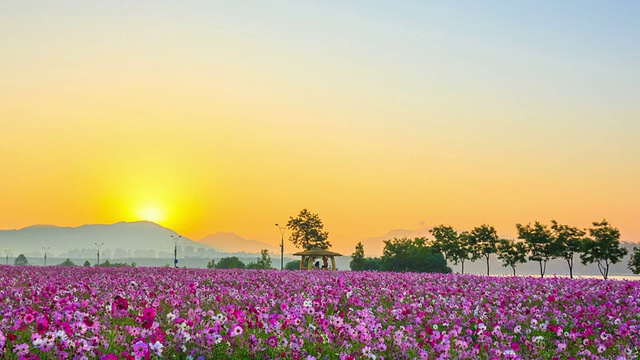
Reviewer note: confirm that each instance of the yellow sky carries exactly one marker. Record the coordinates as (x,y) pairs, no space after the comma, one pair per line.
(232,118)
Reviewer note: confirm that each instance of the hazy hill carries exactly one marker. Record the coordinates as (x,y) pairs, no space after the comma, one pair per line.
(127,238)
(231,243)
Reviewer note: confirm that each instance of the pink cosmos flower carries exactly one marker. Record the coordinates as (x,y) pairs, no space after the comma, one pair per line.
(149,312)
(272,341)
(140,349)
(236,330)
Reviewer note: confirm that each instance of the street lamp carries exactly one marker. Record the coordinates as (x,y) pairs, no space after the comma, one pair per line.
(45,254)
(282,229)
(175,249)
(99,246)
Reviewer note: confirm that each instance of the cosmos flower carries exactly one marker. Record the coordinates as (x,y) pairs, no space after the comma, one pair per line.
(81,313)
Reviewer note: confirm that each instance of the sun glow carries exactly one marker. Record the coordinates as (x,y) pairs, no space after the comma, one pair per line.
(152,213)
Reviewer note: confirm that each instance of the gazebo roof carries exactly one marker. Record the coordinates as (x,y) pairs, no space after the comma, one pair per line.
(317,252)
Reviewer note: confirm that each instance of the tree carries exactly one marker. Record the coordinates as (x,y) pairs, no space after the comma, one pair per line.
(446,239)
(396,254)
(483,241)
(568,242)
(634,262)
(264,262)
(292,265)
(540,243)
(86,263)
(307,231)
(265,259)
(511,253)
(230,263)
(357,258)
(21,260)
(372,264)
(603,247)
(462,251)
(454,246)
(413,256)
(67,262)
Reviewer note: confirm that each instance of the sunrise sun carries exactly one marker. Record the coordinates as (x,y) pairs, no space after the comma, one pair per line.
(151,213)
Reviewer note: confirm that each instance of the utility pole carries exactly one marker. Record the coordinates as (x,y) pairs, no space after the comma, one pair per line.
(45,254)
(175,249)
(282,229)
(7,252)
(99,246)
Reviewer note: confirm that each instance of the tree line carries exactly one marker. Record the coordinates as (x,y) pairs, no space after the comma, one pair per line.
(21,260)
(599,244)
(233,262)
(402,255)
(536,242)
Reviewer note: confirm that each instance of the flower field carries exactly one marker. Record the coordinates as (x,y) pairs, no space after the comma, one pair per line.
(147,313)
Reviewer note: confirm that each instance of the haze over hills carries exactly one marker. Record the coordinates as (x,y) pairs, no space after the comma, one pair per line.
(231,243)
(141,236)
(147,240)
(140,239)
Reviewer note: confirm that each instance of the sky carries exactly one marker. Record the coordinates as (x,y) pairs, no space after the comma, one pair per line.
(233,116)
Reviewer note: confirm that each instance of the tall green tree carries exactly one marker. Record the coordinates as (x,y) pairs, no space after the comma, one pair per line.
(568,242)
(412,255)
(483,241)
(540,243)
(21,260)
(264,262)
(455,247)
(446,240)
(396,255)
(462,251)
(307,231)
(230,263)
(357,258)
(603,247)
(512,253)
(634,262)
(372,264)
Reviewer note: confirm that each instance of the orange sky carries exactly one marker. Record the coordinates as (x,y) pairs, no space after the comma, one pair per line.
(229,117)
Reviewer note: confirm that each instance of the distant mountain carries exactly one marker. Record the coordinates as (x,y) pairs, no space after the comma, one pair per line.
(231,243)
(125,239)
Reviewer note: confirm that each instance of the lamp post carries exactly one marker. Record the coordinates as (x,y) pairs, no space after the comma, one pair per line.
(99,246)
(45,254)
(175,249)
(282,229)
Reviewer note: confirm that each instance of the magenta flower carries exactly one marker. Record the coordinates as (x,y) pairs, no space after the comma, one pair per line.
(272,341)
(140,349)
(28,318)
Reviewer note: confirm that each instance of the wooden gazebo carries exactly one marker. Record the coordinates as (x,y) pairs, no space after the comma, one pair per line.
(323,257)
